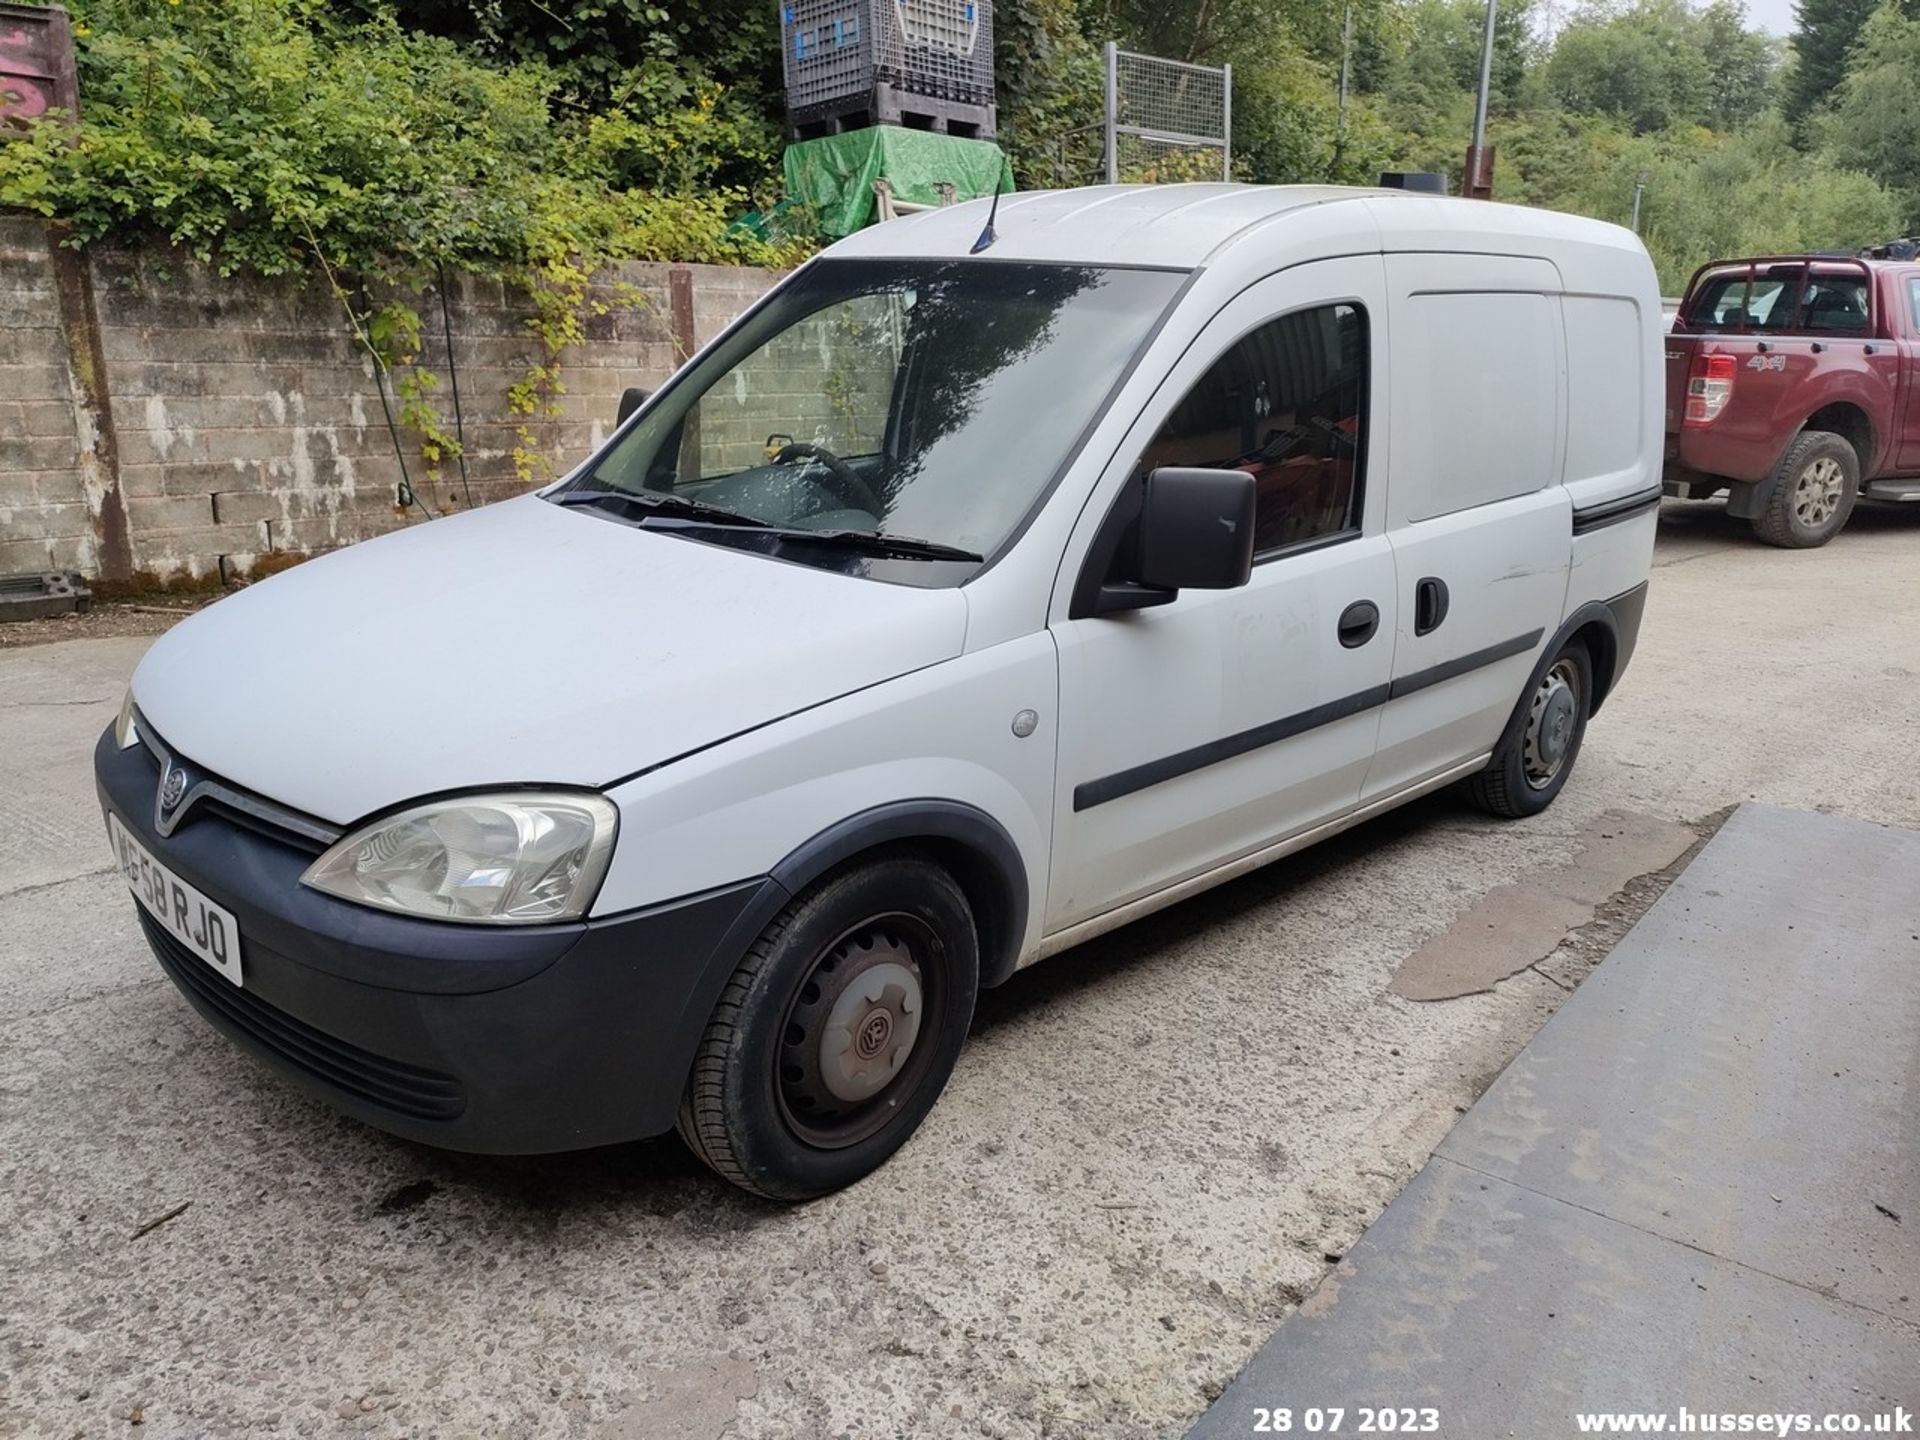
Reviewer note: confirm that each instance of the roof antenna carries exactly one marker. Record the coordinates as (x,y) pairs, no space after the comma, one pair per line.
(987,237)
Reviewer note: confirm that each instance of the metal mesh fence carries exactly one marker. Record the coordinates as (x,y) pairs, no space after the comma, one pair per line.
(1167,120)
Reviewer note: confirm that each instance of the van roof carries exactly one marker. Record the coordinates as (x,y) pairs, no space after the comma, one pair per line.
(1183,226)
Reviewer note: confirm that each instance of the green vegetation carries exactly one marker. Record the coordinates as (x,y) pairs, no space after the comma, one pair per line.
(377,139)
(1747,144)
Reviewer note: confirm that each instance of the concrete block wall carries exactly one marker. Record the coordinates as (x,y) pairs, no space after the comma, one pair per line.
(246,425)
(46,522)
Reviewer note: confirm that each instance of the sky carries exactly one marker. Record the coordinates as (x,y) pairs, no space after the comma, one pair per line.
(1773,16)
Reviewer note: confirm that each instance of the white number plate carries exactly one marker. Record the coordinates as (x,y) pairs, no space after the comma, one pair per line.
(183,912)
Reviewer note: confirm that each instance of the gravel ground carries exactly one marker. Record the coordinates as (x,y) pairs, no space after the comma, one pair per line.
(1148,1153)
(103,621)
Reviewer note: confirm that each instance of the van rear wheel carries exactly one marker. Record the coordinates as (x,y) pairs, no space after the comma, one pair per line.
(1811,492)
(1542,740)
(837,1032)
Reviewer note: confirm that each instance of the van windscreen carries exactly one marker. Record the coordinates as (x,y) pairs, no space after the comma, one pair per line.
(929,400)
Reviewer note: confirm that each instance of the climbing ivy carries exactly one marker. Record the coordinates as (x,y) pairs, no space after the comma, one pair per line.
(294,137)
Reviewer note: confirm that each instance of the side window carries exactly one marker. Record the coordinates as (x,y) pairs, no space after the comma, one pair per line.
(1915,285)
(1286,404)
(1836,303)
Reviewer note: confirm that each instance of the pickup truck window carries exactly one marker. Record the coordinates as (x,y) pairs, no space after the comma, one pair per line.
(1285,404)
(1724,302)
(1836,303)
(1914,290)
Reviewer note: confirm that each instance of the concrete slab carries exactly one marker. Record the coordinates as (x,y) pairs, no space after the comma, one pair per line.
(54,702)
(1514,926)
(1696,1186)
(1508,1312)
(1740,1075)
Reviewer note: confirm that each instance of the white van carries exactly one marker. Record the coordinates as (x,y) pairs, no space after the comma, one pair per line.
(978,591)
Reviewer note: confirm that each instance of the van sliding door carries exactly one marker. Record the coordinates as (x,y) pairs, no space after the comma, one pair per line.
(1479,524)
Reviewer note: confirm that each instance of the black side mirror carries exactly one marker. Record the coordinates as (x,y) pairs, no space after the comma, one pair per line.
(1179,529)
(631,399)
(1196,529)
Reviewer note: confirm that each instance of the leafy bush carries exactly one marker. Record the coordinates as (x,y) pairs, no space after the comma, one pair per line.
(259,136)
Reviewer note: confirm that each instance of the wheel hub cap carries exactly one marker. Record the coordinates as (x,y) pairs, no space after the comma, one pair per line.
(1552,718)
(1817,495)
(870,1031)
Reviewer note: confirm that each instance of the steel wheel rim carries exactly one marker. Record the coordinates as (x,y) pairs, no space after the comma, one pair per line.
(858,1036)
(1553,716)
(1817,495)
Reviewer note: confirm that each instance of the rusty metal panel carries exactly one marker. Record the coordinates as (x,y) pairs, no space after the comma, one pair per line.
(36,64)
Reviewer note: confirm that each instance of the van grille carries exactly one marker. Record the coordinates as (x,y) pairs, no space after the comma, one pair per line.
(266,818)
(389,1084)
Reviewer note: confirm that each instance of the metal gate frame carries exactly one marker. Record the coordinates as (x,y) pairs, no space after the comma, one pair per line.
(1115,129)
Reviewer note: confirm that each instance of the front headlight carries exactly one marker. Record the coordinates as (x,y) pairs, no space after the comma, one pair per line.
(126,730)
(512,859)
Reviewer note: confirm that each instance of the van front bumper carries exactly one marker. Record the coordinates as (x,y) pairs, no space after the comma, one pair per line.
(503,1040)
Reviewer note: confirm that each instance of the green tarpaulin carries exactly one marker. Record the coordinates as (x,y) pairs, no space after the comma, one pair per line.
(834,175)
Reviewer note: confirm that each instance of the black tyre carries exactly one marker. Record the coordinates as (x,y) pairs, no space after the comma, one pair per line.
(1811,491)
(1542,740)
(836,1034)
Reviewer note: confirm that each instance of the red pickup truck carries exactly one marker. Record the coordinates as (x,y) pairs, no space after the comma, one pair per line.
(1793,383)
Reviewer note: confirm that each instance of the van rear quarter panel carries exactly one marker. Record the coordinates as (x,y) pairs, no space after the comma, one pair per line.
(1616,412)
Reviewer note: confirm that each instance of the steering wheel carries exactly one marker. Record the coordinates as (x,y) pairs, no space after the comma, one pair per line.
(851,487)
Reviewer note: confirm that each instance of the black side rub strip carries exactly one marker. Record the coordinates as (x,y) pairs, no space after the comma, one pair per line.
(1612,512)
(1090,793)
(1461,664)
(1125,782)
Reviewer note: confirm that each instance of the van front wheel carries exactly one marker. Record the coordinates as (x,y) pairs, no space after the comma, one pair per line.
(1542,740)
(837,1032)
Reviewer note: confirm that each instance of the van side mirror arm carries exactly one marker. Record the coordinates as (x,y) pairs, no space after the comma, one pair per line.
(1117,596)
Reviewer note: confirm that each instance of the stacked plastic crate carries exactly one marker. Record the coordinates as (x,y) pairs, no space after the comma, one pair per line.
(922,64)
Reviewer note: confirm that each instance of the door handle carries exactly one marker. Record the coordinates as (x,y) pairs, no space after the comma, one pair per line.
(1429,604)
(1358,622)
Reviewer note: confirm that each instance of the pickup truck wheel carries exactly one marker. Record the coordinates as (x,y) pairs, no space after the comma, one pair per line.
(836,1033)
(1811,491)
(1542,740)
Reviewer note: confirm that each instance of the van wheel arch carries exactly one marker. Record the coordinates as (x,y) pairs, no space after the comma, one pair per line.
(1595,625)
(965,841)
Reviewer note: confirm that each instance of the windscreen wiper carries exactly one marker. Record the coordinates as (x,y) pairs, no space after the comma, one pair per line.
(879,542)
(694,514)
(874,542)
(653,503)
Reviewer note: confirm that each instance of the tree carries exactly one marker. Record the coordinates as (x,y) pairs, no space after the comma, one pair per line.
(1827,30)
(1051,94)
(1645,65)
(1742,66)
(1874,125)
